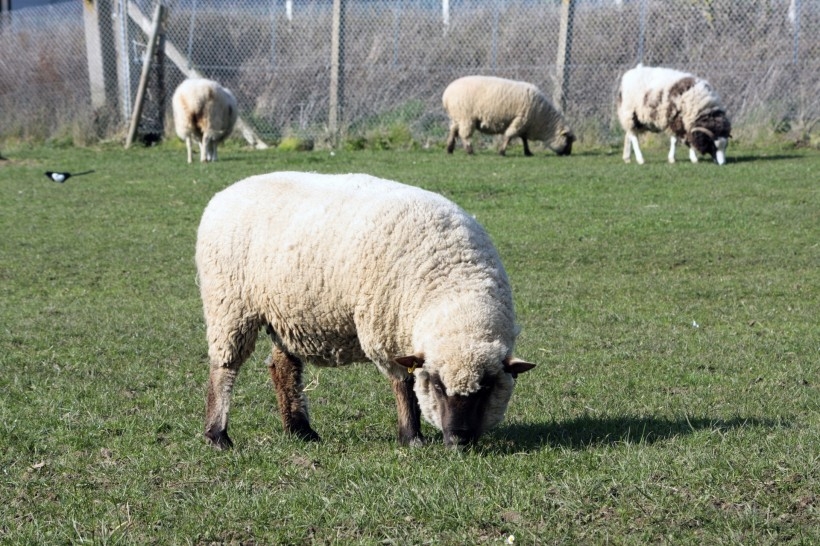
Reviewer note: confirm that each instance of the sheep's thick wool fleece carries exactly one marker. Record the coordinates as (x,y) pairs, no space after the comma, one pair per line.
(494,102)
(348,268)
(202,106)
(646,91)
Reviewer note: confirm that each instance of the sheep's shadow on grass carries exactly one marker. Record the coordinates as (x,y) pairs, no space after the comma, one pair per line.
(588,432)
(755,158)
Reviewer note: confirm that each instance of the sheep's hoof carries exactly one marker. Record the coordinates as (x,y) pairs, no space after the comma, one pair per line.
(219,440)
(306,434)
(412,441)
(416,442)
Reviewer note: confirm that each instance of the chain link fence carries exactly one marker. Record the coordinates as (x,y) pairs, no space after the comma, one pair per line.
(763,56)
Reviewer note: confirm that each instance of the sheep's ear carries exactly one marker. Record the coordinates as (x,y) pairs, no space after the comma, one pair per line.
(514,366)
(411,362)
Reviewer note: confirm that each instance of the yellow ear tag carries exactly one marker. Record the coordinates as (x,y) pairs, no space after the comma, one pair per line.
(412,369)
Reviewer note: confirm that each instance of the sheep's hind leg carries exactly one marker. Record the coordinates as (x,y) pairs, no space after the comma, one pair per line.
(409,412)
(188,146)
(627,149)
(672,141)
(451,137)
(286,374)
(632,138)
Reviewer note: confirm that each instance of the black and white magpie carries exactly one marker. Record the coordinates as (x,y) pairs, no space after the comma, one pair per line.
(61,177)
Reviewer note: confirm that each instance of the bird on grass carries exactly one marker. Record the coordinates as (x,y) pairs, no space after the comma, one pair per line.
(61,177)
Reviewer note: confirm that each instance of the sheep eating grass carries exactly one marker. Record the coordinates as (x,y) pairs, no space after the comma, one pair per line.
(499,106)
(349,268)
(204,110)
(652,99)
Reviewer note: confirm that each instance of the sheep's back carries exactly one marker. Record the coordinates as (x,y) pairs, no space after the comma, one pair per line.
(338,265)
(645,93)
(493,101)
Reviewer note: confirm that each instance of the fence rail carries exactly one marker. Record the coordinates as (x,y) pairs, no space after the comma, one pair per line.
(763,56)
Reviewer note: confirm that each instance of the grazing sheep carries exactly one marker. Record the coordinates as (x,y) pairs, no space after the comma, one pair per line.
(204,110)
(683,105)
(349,268)
(498,106)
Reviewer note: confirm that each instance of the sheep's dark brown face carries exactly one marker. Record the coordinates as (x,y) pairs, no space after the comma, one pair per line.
(461,417)
(464,417)
(710,136)
(562,145)
(703,144)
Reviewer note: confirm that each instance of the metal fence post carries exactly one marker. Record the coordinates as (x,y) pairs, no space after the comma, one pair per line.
(337,54)
(642,31)
(101,59)
(794,17)
(562,63)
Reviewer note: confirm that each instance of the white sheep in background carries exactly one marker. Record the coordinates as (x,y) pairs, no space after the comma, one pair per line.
(204,110)
(683,105)
(498,106)
(350,268)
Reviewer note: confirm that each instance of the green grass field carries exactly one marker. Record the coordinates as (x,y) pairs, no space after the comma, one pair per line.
(672,311)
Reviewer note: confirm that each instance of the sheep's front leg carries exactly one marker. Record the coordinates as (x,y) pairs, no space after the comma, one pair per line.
(693,155)
(672,141)
(513,131)
(220,384)
(409,412)
(230,343)
(286,374)
(527,151)
(465,131)
(204,149)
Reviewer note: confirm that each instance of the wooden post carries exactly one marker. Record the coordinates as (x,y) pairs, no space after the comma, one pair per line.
(159,14)
(183,63)
(100,53)
(337,54)
(562,63)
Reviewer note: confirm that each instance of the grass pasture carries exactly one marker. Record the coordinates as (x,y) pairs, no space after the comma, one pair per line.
(672,310)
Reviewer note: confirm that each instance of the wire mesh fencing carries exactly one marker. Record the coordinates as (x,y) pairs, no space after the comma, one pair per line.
(763,57)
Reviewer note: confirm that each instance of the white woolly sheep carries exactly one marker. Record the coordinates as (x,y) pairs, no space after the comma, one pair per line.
(685,106)
(498,106)
(350,268)
(204,110)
